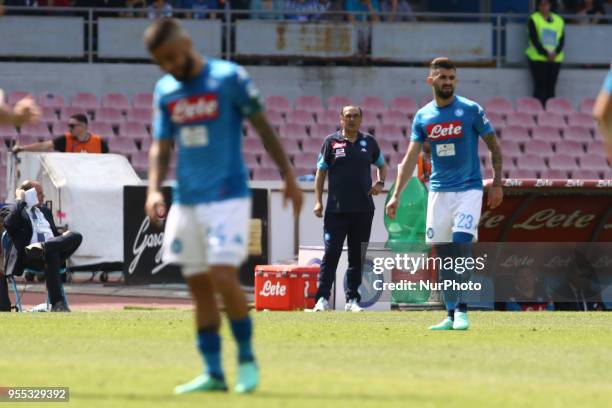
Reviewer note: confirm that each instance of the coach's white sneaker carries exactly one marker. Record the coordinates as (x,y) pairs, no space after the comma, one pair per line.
(352,306)
(321,306)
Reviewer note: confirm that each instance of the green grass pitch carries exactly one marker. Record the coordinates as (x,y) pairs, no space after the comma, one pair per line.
(133,358)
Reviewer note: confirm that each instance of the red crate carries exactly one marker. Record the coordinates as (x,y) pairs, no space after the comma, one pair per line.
(285,287)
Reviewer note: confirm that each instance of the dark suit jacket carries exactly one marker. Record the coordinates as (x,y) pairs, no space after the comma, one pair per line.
(19,228)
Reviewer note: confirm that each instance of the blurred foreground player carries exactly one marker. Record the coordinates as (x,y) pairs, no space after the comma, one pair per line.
(603,112)
(25,111)
(199,106)
(452,125)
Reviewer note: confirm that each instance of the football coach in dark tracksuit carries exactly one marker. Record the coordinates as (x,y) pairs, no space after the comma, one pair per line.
(347,156)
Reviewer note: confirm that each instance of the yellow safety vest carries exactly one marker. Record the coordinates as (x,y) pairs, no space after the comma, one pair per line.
(549,34)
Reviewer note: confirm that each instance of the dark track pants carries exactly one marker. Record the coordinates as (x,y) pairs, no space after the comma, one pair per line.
(544,76)
(355,227)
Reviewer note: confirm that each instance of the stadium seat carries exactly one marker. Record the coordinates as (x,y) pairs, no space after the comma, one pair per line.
(121,145)
(15,96)
(500,105)
(386,146)
(39,128)
(585,174)
(562,162)
(552,119)
(581,119)
(26,139)
(338,102)
(311,145)
(373,104)
(145,144)
(497,120)
(300,117)
(85,100)
(330,117)
(596,147)
(253,144)
(312,104)
(51,100)
(110,115)
(369,121)
(389,132)
(586,106)
(142,115)
(517,133)
(48,115)
(395,117)
(275,117)
(593,162)
(541,148)
(278,103)
(579,134)
(404,104)
(59,127)
(292,147)
(133,130)
(520,119)
(306,161)
(143,100)
(529,105)
(8,131)
(569,147)
(304,171)
(251,159)
(68,111)
(509,147)
(559,105)
(530,161)
(520,173)
(546,133)
(140,161)
(102,128)
(320,131)
(294,131)
(116,100)
(266,173)
(554,174)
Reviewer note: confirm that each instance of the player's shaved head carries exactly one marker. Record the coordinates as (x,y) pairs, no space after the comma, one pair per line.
(161,31)
(441,62)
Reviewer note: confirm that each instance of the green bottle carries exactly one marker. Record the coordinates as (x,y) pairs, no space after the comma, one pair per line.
(407,235)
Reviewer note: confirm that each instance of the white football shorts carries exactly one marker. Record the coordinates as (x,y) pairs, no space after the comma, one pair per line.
(197,236)
(449,212)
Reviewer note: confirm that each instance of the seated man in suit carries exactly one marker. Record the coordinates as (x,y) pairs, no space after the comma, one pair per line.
(36,243)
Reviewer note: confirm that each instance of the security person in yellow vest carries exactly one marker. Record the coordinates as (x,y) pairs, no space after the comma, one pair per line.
(545,51)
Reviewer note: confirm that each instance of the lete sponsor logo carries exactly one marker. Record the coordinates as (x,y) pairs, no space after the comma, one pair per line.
(445,130)
(194,109)
(273,289)
(515,261)
(144,241)
(549,218)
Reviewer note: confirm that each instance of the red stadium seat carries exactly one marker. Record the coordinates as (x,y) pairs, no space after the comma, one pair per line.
(389,132)
(579,134)
(278,103)
(404,104)
(133,130)
(562,162)
(275,117)
(596,147)
(292,147)
(369,121)
(103,129)
(143,100)
(59,127)
(581,119)
(85,100)
(15,96)
(301,117)
(551,119)
(295,131)
(145,144)
(304,171)
(338,102)
(51,100)
(394,117)
(253,144)
(116,100)
(562,106)
(517,133)
(386,146)
(586,106)
(121,145)
(142,115)
(68,111)
(306,161)
(529,105)
(546,133)
(520,173)
(140,161)
(266,173)
(540,147)
(500,105)
(250,159)
(35,129)
(585,174)
(312,104)
(110,115)
(530,161)
(330,117)
(373,104)
(554,174)
(497,120)
(509,147)
(569,147)
(311,145)
(48,115)
(520,119)
(594,162)
(321,131)
(26,139)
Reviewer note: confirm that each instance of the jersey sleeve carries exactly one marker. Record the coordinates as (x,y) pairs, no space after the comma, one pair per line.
(378,159)
(324,159)
(163,127)
(608,83)
(417,135)
(245,95)
(481,122)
